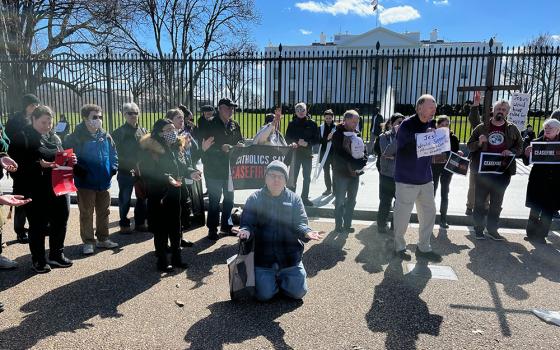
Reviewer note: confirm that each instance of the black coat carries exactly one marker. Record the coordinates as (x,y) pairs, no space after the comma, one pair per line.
(127,141)
(216,161)
(306,129)
(543,191)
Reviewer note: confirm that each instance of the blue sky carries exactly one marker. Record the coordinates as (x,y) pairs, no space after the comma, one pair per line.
(513,22)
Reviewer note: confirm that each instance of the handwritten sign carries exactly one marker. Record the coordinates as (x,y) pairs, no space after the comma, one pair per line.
(494,163)
(431,143)
(519,107)
(457,164)
(545,153)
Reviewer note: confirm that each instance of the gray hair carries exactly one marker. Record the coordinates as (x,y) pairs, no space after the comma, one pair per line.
(555,114)
(552,123)
(351,113)
(424,98)
(501,102)
(130,106)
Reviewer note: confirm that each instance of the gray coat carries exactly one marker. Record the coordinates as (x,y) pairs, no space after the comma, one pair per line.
(388,148)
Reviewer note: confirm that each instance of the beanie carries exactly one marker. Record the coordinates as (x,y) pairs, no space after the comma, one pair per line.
(278,166)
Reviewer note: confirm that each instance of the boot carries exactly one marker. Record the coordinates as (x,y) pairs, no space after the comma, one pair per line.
(163,264)
(177,260)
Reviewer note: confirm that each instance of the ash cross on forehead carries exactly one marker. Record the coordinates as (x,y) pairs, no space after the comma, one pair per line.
(489,88)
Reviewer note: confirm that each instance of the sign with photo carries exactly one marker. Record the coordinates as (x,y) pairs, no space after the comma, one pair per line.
(457,164)
(545,153)
(431,143)
(494,163)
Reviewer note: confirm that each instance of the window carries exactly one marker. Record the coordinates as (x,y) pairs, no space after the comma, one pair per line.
(292,72)
(446,71)
(463,74)
(309,96)
(276,70)
(292,97)
(443,97)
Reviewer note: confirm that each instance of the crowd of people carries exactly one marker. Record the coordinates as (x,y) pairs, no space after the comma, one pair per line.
(160,166)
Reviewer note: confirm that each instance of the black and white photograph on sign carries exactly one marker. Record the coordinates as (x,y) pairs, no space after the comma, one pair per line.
(494,163)
(457,164)
(545,153)
(248,164)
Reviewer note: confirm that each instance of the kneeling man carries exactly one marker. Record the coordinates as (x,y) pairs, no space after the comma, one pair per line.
(275,218)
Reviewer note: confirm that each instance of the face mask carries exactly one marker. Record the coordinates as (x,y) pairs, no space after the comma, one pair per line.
(170,137)
(96,124)
(498,117)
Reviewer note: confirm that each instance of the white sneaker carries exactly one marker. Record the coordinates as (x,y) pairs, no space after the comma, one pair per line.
(7,264)
(107,244)
(87,249)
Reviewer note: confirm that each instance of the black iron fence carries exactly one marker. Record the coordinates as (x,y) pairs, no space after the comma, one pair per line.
(322,76)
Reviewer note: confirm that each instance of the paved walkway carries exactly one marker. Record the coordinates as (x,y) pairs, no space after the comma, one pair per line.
(368,195)
(359,297)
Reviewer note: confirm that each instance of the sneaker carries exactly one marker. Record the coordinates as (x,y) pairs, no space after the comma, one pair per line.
(141,228)
(87,249)
(479,235)
(41,267)
(338,229)
(307,202)
(60,261)
(327,193)
(403,255)
(468,212)
(107,244)
(125,229)
(496,236)
(430,256)
(443,224)
(349,229)
(7,264)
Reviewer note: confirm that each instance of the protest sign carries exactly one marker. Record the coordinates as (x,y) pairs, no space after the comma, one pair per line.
(432,143)
(545,153)
(248,164)
(494,163)
(60,127)
(63,174)
(457,164)
(519,106)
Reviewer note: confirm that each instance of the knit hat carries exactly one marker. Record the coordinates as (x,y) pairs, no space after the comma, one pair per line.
(278,166)
(30,99)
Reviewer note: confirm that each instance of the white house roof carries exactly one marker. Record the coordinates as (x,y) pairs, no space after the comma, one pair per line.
(386,38)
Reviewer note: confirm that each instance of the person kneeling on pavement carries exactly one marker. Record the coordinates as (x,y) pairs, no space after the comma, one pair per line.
(275,218)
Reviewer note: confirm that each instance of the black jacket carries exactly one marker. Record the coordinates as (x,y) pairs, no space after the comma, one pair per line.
(27,148)
(127,140)
(216,161)
(343,162)
(202,126)
(306,129)
(16,123)
(543,191)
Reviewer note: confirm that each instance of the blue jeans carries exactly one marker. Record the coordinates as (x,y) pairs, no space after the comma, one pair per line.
(126,186)
(215,189)
(345,191)
(291,280)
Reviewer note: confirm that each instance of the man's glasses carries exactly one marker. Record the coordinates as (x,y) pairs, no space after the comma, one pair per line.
(94,117)
(132,113)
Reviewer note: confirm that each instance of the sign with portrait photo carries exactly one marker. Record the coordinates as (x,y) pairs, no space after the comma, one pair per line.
(457,164)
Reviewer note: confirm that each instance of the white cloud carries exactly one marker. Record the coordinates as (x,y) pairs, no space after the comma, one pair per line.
(305,32)
(339,7)
(398,14)
(441,2)
(555,37)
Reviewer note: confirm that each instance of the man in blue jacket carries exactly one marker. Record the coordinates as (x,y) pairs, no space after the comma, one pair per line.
(275,218)
(97,163)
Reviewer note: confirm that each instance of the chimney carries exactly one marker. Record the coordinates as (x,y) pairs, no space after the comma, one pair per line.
(323,39)
(434,36)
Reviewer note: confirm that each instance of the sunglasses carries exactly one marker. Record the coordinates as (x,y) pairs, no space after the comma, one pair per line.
(96,117)
(132,113)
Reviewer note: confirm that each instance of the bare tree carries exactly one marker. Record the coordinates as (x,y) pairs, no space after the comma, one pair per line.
(179,29)
(537,70)
(44,30)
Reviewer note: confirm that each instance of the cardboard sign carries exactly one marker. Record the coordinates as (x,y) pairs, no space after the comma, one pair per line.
(457,164)
(248,164)
(431,143)
(519,106)
(494,163)
(63,174)
(545,153)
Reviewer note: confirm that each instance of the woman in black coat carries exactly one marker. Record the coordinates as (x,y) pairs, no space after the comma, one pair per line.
(34,149)
(162,171)
(440,175)
(543,192)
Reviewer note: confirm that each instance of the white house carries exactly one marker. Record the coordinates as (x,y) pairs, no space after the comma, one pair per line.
(343,71)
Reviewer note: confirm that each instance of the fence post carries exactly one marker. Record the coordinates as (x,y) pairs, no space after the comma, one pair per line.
(191,87)
(109,89)
(375,83)
(279,76)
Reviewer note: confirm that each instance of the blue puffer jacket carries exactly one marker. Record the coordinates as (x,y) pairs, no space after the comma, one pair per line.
(97,158)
